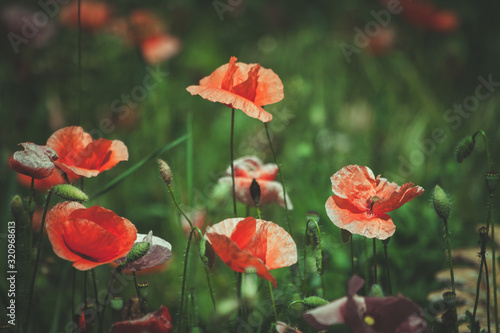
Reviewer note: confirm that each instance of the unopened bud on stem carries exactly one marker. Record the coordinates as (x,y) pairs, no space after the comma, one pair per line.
(165,171)
(442,203)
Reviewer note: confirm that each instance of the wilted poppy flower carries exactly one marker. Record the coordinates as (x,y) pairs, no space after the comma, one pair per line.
(88,237)
(160,251)
(156,322)
(361,202)
(249,168)
(247,243)
(159,48)
(369,314)
(34,160)
(93,15)
(79,155)
(246,87)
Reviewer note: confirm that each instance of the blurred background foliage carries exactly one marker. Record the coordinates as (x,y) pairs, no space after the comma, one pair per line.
(378,108)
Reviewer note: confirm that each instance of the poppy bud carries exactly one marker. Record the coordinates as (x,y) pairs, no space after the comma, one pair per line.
(449,298)
(465,148)
(314,301)
(312,215)
(442,203)
(16,207)
(165,171)
(116,303)
(255,192)
(491,180)
(138,251)
(70,192)
(320,262)
(346,235)
(376,291)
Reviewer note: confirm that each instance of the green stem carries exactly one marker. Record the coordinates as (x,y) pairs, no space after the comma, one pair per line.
(29,230)
(477,289)
(487,292)
(282,179)
(190,158)
(375,261)
(210,287)
(272,299)
(493,258)
(139,297)
(184,275)
(38,255)
(352,255)
(258,212)
(80,63)
(117,270)
(96,295)
(179,207)
(486,145)
(232,164)
(367,266)
(450,261)
(387,267)
(85,305)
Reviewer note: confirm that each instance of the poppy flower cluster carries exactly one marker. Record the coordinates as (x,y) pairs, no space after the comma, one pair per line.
(248,168)
(246,87)
(88,237)
(369,314)
(249,244)
(78,155)
(361,201)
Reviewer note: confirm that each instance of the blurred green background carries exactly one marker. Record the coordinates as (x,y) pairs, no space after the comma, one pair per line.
(373,108)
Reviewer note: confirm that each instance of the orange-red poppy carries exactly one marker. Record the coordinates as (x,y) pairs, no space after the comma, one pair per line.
(156,322)
(250,244)
(361,201)
(249,168)
(88,237)
(34,161)
(80,156)
(246,87)
(93,15)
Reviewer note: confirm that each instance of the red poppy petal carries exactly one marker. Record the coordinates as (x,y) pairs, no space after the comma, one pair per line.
(281,248)
(266,172)
(244,232)
(360,223)
(397,198)
(247,88)
(68,142)
(258,244)
(355,183)
(228,79)
(271,191)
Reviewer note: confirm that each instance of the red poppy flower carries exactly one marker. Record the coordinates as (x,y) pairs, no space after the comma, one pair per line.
(79,155)
(249,168)
(246,87)
(369,314)
(156,322)
(34,160)
(159,48)
(88,237)
(45,184)
(247,243)
(361,202)
(93,15)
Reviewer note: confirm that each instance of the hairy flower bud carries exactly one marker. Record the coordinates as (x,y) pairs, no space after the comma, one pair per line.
(165,171)
(442,203)
(138,251)
(70,192)
(465,148)
(314,301)
(491,180)
(16,207)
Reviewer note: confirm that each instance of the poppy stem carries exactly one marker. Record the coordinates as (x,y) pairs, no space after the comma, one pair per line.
(282,179)
(117,270)
(272,299)
(85,305)
(367,268)
(232,163)
(184,275)
(387,267)
(450,261)
(38,255)
(73,292)
(80,63)
(179,207)
(352,255)
(189,158)
(477,291)
(487,292)
(239,278)
(375,280)
(30,214)
(96,295)
(141,301)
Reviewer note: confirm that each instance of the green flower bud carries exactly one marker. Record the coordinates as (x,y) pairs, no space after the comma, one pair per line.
(376,291)
(442,203)
(16,207)
(138,251)
(165,171)
(116,303)
(255,192)
(465,148)
(143,289)
(70,192)
(491,180)
(312,302)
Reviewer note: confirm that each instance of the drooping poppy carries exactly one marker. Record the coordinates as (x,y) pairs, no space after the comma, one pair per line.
(156,322)
(369,314)
(93,15)
(361,202)
(246,87)
(160,251)
(88,237)
(250,244)
(248,168)
(80,156)
(34,161)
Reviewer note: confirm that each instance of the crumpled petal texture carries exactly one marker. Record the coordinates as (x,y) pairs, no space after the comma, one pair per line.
(244,243)
(246,87)
(361,201)
(160,251)
(80,156)
(88,237)
(34,160)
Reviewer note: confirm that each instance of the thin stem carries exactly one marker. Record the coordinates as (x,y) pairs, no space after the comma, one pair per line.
(493,258)
(30,213)
(96,295)
(232,164)
(179,207)
(73,292)
(258,212)
(117,270)
(210,287)
(80,62)
(38,255)
(488,157)
(375,261)
(190,158)
(388,269)
(85,305)
(477,291)
(272,299)
(352,255)
(450,261)
(184,274)
(282,179)
(141,300)
(487,292)
(367,266)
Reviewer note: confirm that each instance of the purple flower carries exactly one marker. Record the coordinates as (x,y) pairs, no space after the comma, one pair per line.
(160,251)
(369,314)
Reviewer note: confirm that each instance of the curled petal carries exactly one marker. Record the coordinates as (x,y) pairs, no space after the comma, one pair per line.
(393,196)
(354,183)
